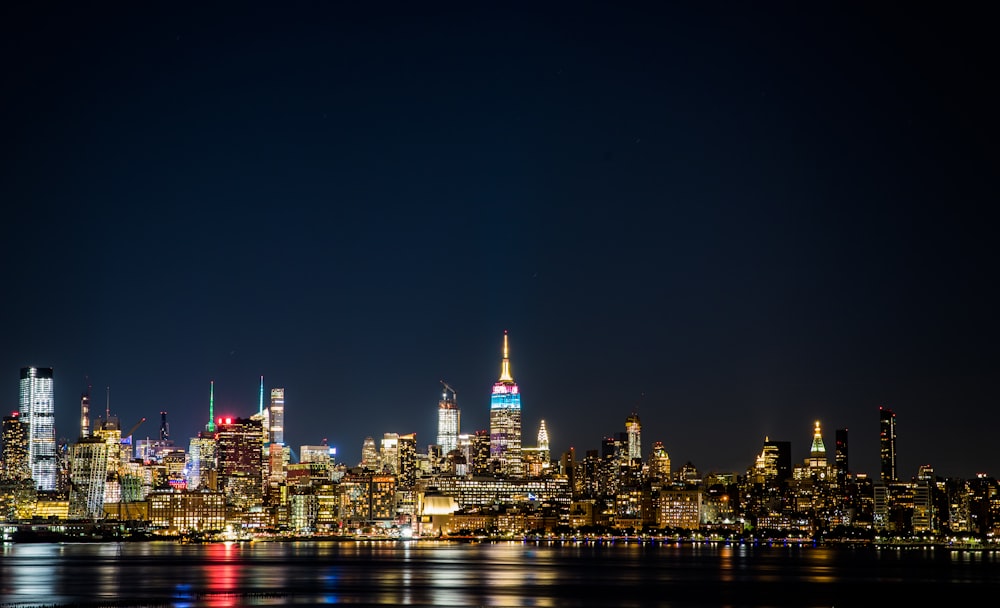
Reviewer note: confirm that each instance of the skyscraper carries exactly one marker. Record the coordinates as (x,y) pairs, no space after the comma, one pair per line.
(505,420)
(448,420)
(14,462)
(85,413)
(840,455)
(887,444)
(277,416)
(817,453)
(240,461)
(38,408)
(369,454)
(543,442)
(634,430)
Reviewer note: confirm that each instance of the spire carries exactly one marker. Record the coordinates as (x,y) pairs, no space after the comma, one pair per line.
(210,427)
(260,404)
(543,436)
(818,447)
(505,376)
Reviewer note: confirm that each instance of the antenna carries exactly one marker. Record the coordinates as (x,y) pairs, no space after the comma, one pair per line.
(107,410)
(260,404)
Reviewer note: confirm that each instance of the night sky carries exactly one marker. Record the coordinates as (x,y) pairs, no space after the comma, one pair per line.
(735,219)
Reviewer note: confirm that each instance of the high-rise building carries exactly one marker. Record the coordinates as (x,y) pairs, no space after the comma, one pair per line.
(407,461)
(389,453)
(202,466)
(633,428)
(88,478)
(15,464)
(164,427)
(543,443)
(448,420)
(277,416)
(887,444)
(240,457)
(85,413)
(659,462)
(840,456)
(505,420)
(774,465)
(480,453)
(369,454)
(38,408)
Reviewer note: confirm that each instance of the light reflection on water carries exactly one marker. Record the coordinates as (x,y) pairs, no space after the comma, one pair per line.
(507,574)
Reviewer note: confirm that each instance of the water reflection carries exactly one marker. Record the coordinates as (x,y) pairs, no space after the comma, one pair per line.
(514,574)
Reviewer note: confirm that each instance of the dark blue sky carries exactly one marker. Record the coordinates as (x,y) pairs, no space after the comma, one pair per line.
(738,219)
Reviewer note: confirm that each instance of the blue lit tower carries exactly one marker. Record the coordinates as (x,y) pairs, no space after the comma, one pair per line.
(38,409)
(505,420)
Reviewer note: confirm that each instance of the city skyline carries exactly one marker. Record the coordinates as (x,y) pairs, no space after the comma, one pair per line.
(732,220)
(629,435)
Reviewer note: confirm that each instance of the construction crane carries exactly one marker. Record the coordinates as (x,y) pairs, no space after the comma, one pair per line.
(454,393)
(129,434)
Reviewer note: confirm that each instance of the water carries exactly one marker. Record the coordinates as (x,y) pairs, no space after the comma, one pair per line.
(501,574)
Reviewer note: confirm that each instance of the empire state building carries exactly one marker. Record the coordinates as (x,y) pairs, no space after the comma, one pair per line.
(505,421)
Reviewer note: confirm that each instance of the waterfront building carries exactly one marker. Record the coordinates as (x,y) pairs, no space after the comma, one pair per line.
(187,511)
(448,420)
(489,491)
(15,463)
(367,498)
(679,508)
(505,420)
(37,407)
(887,444)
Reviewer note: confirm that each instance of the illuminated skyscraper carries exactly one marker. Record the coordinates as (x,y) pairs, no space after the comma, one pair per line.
(202,465)
(89,476)
(840,455)
(887,444)
(369,454)
(659,462)
(505,420)
(277,416)
(38,409)
(633,428)
(817,454)
(85,413)
(543,442)
(240,460)
(14,462)
(448,420)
